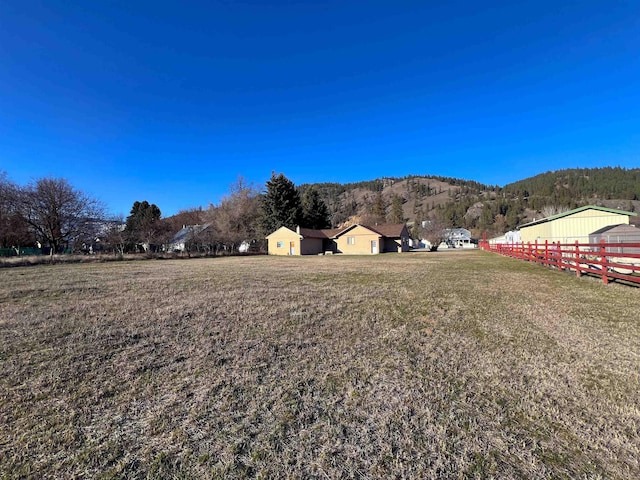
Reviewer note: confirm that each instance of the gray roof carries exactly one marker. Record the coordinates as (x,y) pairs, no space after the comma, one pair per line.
(618,229)
(389,230)
(182,234)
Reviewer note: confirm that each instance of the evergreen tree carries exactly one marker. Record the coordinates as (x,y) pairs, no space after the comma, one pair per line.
(379,207)
(511,219)
(375,210)
(280,204)
(397,214)
(315,213)
(486,216)
(143,223)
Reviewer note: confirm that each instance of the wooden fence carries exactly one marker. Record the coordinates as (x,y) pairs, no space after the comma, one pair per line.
(619,261)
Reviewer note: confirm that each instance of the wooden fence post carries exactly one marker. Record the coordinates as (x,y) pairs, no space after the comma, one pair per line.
(560,256)
(577,260)
(546,253)
(603,261)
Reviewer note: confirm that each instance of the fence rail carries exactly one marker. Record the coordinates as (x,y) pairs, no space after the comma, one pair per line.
(610,261)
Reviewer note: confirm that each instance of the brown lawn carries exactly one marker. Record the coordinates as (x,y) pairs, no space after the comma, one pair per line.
(406,366)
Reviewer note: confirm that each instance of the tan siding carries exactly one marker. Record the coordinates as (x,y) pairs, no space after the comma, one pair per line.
(572,227)
(540,231)
(362,241)
(285,236)
(579,226)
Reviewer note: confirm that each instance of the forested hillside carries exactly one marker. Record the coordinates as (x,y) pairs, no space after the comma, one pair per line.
(565,187)
(481,208)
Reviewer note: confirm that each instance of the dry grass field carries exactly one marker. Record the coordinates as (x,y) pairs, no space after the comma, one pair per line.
(456,365)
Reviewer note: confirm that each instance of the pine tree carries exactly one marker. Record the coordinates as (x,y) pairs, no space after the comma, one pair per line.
(486,216)
(397,214)
(143,223)
(280,204)
(377,210)
(315,213)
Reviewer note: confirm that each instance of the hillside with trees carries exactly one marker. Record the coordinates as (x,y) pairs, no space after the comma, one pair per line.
(566,188)
(480,208)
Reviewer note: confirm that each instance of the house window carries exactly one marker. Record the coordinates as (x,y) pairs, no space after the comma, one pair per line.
(279,244)
(351,240)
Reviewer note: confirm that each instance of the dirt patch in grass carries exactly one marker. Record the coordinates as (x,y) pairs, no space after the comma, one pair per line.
(405,366)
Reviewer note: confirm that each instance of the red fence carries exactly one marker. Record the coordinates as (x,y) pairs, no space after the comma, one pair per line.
(610,261)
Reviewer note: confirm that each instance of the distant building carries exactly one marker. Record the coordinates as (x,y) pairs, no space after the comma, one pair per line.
(458,238)
(508,238)
(620,234)
(573,225)
(187,234)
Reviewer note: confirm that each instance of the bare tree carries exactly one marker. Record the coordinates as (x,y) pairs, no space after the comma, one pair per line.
(433,230)
(190,216)
(14,231)
(115,237)
(237,217)
(550,210)
(59,214)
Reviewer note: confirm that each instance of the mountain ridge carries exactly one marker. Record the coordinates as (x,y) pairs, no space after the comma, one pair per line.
(456,202)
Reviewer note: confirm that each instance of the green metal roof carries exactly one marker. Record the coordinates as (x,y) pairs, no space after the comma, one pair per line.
(577,210)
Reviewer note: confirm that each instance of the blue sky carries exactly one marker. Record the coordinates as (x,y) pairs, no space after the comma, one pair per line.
(170,101)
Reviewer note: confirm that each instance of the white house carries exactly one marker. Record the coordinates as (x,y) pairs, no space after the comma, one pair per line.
(186,234)
(459,238)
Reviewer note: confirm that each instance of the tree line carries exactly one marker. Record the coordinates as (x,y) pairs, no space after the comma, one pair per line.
(246,214)
(53,216)
(564,188)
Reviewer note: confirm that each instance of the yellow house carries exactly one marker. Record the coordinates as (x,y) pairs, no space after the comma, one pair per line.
(366,240)
(302,241)
(353,240)
(574,225)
